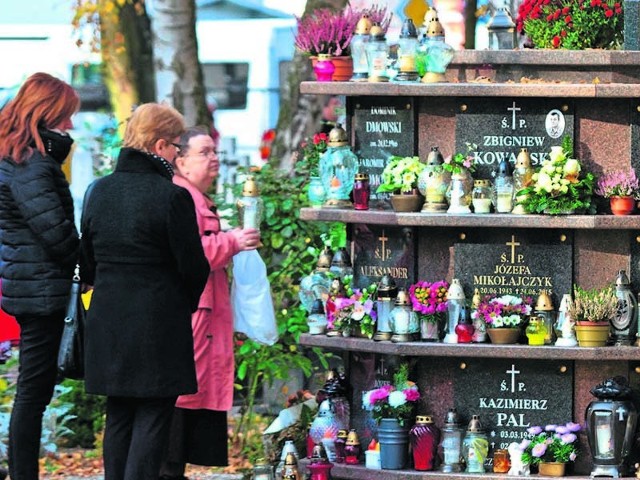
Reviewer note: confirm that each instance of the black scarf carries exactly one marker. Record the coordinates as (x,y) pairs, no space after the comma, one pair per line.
(57,145)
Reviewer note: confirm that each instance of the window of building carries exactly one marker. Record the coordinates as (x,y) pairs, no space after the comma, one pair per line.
(226,84)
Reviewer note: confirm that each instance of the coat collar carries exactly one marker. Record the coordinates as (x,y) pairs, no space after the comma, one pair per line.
(136,161)
(195,193)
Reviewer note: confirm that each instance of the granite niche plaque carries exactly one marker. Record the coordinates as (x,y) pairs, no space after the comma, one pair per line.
(380,250)
(383,126)
(500,127)
(512,265)
(513,395)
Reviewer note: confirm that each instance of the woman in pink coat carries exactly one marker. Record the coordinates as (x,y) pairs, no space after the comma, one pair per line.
(199,428)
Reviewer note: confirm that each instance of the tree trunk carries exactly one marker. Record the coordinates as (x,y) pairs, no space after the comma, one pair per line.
(179,79)
(300,115)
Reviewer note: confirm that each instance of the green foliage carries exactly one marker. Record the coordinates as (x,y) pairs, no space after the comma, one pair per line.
(88,411)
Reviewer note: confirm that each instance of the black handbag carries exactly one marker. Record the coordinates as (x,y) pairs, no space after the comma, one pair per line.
(71,352)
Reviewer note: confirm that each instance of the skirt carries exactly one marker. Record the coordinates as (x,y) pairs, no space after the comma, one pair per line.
(198,437)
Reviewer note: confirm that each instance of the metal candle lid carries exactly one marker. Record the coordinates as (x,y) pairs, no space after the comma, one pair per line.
(324,260)
(423,419)
(362,177)
(377,33)
(341,258)
(523,160)
(363,27)
(402,298)
(434,29)
(474,424)
(435,157)
(408,29)
(452,417)
(352,438)
(544,302)
(387,288)
(250,188)
(337,136)
(481,183)
(622,279)
(290,459)
(456,291)
(317,307)
(430,14)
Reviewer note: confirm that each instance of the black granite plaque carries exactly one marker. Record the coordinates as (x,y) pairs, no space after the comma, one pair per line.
(514,266)
(512,395)
(383,126)
(380,250)
(500,127)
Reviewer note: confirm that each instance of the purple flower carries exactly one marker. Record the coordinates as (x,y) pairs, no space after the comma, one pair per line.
(568,438)
(539,450)
(574,427)
(550,428)
(534,430)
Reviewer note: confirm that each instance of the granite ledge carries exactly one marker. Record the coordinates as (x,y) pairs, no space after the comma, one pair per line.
(478,350)
(492,220)
(471,89)
(359,472)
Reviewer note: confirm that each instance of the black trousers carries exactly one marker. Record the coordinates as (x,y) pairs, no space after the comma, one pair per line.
(136,434)
(37,374)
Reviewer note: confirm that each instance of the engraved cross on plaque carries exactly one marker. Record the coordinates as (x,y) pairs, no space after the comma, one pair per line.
(513,373)
(513,109)
(513,244)
(383,239)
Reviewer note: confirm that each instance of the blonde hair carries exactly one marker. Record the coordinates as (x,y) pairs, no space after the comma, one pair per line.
(151,122)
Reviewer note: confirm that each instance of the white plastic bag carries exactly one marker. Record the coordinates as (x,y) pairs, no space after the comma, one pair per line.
(251,301)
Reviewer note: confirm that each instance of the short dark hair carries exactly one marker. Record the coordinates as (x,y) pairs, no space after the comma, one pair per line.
(188,134)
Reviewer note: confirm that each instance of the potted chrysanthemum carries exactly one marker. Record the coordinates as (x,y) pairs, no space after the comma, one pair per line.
(504,316)
(400,178)
(551,447)
(573,24)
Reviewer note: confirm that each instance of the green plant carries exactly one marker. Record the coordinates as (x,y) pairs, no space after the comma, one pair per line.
(554,443)
(461,161)
(572,24)
(558,186)
(89,415)
(594,305)
(400,174)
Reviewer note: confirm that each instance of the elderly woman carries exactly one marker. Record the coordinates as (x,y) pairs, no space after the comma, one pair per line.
(142,253)
(199,429)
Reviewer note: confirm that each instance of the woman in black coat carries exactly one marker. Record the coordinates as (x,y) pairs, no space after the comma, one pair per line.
(142,253)
(39,248)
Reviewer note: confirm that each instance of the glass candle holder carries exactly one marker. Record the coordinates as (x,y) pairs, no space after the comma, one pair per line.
(361,192)
(501,461)
(481,196)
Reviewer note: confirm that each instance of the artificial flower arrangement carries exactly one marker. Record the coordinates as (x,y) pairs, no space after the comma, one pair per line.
(401,175)
(460,162)
(396,401)
(553,443)
(507,311)
(329,31)
(571,24)
(595,305)
(558,187)
(619,184)
(355,310)
(429,299)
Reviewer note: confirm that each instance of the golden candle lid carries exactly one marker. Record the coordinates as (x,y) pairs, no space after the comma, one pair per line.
(250,188)
(434,28)
(377,33)
(424,419)
(338,136)
(352,438)
(523,160)
(290,459)
(363,27)
(402,298)
(482,182)
(362,176)
(430,14)
(324,260)
(544,302)
(342,433)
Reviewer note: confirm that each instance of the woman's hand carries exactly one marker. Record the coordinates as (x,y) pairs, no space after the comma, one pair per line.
(247,238)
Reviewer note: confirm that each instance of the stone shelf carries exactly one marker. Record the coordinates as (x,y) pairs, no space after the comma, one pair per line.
(473,350)
(359,472)
(470,89)
(492,220)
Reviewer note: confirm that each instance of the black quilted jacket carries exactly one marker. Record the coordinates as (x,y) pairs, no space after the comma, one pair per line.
(38,237)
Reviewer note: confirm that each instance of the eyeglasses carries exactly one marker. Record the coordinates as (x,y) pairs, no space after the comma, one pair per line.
(205,153)
(177,145)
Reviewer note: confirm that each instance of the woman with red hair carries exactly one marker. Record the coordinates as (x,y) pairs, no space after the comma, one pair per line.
(38,248)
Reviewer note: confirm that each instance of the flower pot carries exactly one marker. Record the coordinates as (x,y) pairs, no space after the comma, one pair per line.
(430,330)
(551,469)
(394,444)
(503,336)
(343,67)
(407,203)
(592,334)
(622,205)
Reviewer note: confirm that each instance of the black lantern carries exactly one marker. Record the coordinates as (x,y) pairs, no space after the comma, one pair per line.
(611,425)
